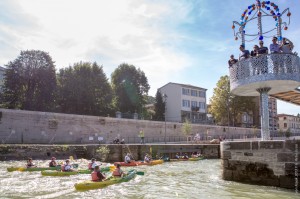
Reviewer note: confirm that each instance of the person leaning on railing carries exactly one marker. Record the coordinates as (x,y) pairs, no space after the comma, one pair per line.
(255,61)
(275,49)
(262,50)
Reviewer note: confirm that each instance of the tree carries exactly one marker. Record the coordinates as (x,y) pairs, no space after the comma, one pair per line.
(187,128)
(30,82)
(225,107)
(84,89)
(129,85)
(159,107)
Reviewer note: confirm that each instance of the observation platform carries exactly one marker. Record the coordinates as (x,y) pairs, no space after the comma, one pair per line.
(279,72)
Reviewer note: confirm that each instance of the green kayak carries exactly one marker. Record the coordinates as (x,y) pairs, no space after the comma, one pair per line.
(68,173)
(10,169)
(87,185)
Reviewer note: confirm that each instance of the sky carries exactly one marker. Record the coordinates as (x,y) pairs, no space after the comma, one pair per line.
(181,41)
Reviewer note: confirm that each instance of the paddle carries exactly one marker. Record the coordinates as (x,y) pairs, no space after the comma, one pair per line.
(141,173)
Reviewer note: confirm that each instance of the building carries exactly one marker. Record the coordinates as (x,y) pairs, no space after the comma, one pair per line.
(2,71)
(184,101)
(289,123)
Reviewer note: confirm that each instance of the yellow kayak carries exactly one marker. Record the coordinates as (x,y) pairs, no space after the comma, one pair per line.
(87,185)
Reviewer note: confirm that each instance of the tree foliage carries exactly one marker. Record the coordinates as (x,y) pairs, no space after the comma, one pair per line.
(84,89)
(224,103)
(187,128)
(30,82)
(129,85)
(159,107)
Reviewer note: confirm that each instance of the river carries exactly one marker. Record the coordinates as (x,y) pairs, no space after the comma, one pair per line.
(200,179)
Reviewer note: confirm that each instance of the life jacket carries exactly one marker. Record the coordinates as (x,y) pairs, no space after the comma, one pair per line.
(94,176)
(90,165)
(117,173)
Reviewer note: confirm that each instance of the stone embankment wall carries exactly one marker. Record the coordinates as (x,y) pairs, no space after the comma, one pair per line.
(270,163)
(29,127)
(116,152)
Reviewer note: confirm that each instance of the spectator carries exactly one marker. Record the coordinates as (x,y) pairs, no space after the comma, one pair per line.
(232,60)
(262,50)
(287,47)
(275,48)
(244,54)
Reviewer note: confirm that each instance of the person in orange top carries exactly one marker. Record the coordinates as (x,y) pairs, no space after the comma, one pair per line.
(118,171)
(97,175)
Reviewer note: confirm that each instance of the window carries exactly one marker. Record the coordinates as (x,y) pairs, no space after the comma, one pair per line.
(201,93)
(185,103)
(285,125)
(185,91)
(194,104)
(194,93)
(202,105)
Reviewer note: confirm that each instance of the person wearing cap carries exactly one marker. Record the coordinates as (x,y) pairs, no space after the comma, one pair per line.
(118,172)
(97,175)
(232,60)
(92,164)
(262,50)
(53,162)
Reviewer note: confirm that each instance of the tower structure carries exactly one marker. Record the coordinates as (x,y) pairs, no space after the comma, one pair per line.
(269,73)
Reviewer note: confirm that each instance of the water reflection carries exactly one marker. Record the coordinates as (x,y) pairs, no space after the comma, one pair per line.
(200,179)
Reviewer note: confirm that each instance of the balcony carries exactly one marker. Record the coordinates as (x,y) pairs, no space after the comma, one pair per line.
(280,72)
(195,108)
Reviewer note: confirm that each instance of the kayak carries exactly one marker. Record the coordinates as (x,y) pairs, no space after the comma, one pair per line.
(68,173)
(87,185)
(196,158)
(153,162)
(124,164)
(10,169)
(180,159)
(137,163)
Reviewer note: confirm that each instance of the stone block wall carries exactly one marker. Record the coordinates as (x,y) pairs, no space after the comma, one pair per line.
(270,163)
(117,151)
(29,127)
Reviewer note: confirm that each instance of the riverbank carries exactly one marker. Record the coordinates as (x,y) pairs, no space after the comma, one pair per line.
(108,153)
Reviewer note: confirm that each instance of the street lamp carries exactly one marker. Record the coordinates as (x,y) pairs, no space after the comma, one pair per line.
(165,101)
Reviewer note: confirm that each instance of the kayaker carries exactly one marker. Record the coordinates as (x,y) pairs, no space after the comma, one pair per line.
(185,156)
(92,164)
(146,158)
(53,163)
(30,163)
(118,172)
(127,158)
(97,175)
(177,156)
(67,166)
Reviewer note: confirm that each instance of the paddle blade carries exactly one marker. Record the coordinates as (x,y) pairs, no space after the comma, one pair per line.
(141,173)
(21,169)
(75,166)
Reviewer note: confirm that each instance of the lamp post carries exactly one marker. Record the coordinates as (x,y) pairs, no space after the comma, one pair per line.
(165,101)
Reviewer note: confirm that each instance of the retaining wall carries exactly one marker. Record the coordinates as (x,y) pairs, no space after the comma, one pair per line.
(270,163)
(116,152)
(30,127)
